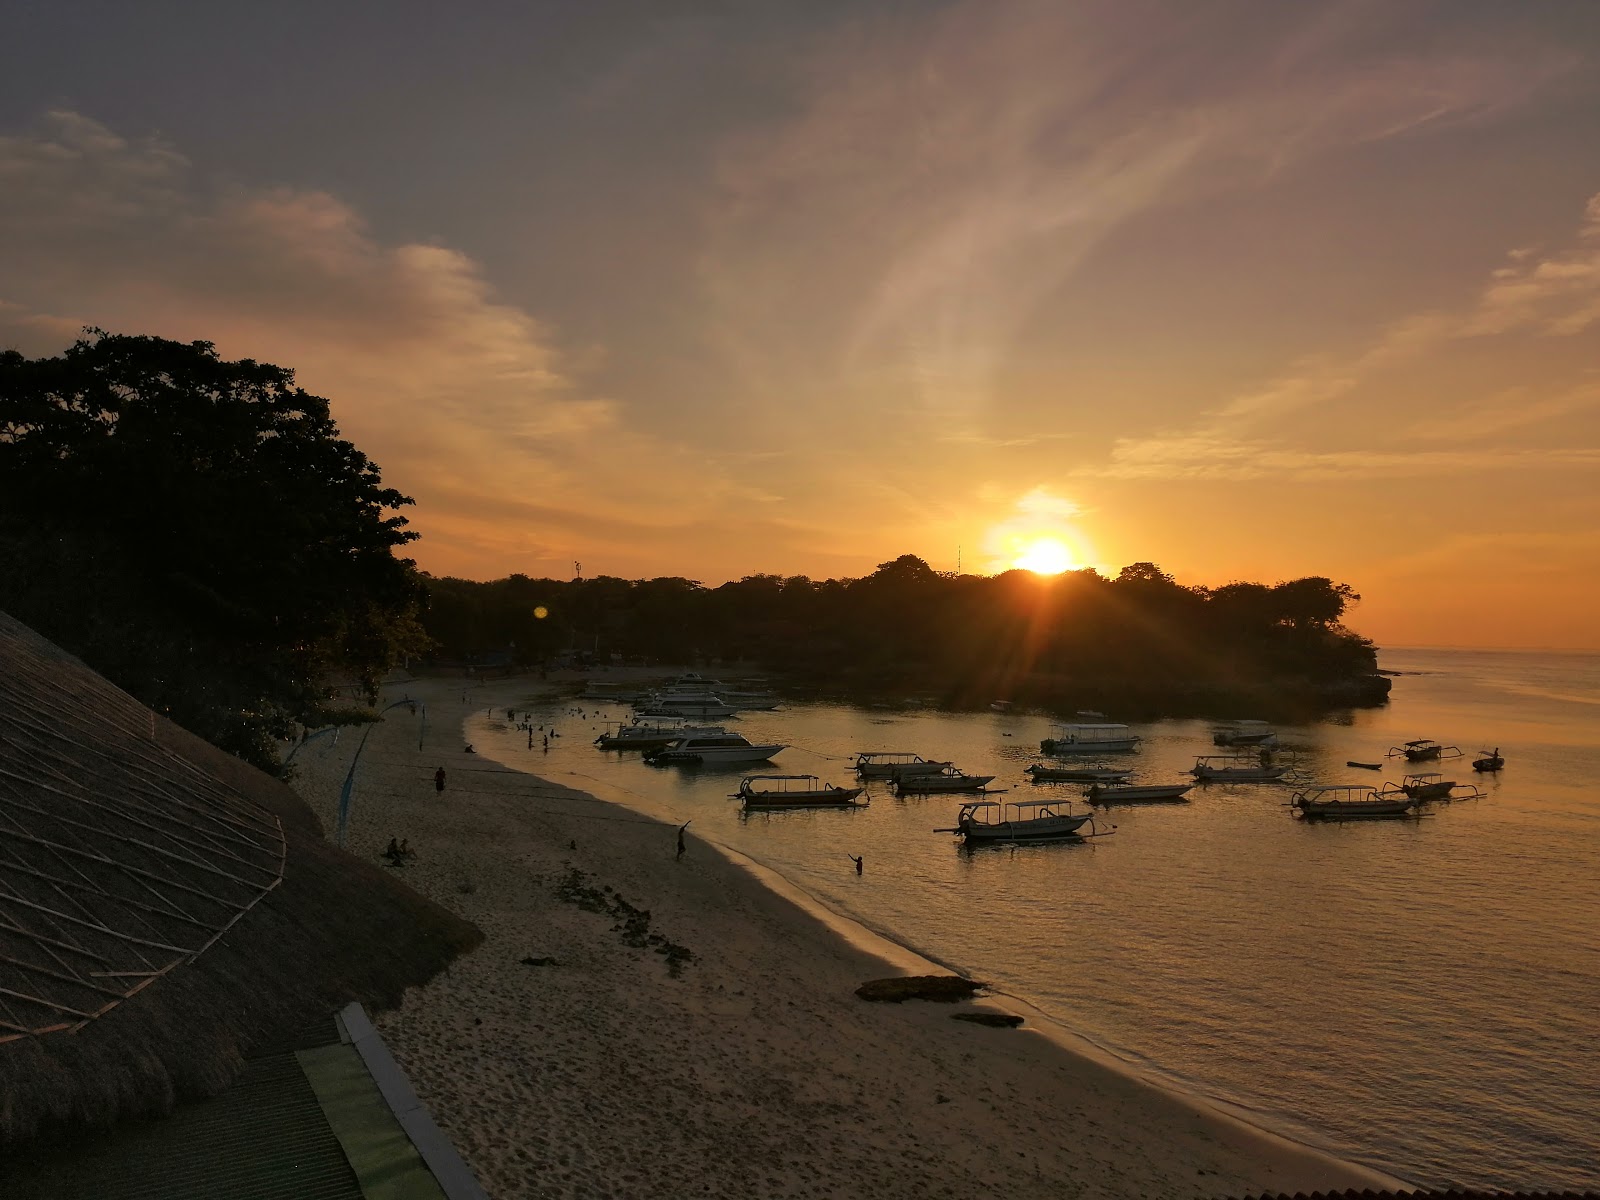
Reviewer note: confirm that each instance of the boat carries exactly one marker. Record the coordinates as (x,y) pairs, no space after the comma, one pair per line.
(643,735)
(948,780)
(1018,821)
(795,791)
(1090,739)
(1244,733)
(684,706)
(1490,760)
(1138,793)
(1431,787)
(1085,774)
(1422,750)
(1365,766)
(881,764)
(612,693)
(1352,800)
(1238,768)
(900,772)
(713,749)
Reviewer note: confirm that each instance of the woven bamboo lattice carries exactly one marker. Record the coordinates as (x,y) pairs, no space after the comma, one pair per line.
(119,860)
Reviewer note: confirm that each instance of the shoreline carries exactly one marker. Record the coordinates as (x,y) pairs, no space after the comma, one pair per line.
(754,1070)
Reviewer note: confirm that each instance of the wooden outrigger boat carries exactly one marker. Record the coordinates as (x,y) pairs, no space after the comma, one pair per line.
(1491,760)
(1244,733)
(1351,800)
(882,764)
(795,791)
(1423,750)
(1431,787)
(1238,768)
(951,779)
(1045,774)
(1138,793)
(1090,739)
(1028,821)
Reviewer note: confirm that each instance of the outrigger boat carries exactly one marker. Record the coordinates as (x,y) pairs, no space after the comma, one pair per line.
(948,780)
(1431,787)
(1090,739)
(881,764)
(1350,800)
(1028,821)
(795,791)
(1244,733)
(1137,793)
(1491,760)
(1044,774)
(1423,750)
(639,735)
(1237,768)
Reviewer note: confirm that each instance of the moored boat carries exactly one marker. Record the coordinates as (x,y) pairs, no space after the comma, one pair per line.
(724,749)
(1352,800)
(1422,750)
(697,706)
(795,791)
(948,780)
(882,764)
(1090,739)
(1431,787)
(1244,733)
(1018,821)
(1237,768)
(648,735)
(1042,773)
(1490,760)
(1138,793)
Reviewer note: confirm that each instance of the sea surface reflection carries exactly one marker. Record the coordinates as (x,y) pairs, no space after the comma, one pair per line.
(1418,995)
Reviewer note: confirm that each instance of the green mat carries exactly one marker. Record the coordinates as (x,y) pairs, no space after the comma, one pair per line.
(386,1164)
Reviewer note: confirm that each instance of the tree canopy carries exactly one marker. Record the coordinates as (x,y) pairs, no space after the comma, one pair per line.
(196,530)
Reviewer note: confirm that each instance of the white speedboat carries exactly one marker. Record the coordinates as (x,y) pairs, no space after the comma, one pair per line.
(1237,768)
(948,780)
(794,791)
(1244,733)
(1084,774)
(648,735)
(712,749)
(1089,739)
(1019,821)
(883,764)
(688,706)
(1138,793)
(1352,800)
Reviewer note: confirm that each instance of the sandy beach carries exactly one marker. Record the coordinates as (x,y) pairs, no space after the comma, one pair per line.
(640,1026)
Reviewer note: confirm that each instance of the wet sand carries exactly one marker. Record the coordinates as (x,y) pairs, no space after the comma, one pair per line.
(641,1026)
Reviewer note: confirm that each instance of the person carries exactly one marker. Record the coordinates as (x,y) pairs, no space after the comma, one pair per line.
(405,848)
(438,779)
(682,845)
(547,743)
(393,853)
(857,860)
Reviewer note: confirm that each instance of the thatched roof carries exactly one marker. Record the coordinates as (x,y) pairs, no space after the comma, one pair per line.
(164,907)
(1449,1194)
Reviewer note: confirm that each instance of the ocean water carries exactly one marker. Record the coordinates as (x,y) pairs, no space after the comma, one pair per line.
(1422,996)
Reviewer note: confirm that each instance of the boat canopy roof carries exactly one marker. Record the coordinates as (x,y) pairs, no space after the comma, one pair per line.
(1107,725)
(1037,803)
(1340,791)
(1419,742)
(780,779)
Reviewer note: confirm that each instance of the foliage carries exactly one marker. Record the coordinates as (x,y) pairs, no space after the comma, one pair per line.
(196,530)
(1015,635)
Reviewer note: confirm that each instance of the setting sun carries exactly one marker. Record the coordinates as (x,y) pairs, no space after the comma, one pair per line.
(1045,556)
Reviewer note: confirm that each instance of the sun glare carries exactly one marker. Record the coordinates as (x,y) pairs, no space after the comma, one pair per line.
(1044,556)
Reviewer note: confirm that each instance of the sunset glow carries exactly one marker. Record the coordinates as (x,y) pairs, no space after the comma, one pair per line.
(1046,556)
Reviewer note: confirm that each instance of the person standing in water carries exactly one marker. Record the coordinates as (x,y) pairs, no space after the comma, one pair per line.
(857,860)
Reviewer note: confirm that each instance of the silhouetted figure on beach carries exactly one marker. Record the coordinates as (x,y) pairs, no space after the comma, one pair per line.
(682,845)
(547,743)
(857,860)
(393,853)
(530,737)
(438,780)
(468,749)
(405,848)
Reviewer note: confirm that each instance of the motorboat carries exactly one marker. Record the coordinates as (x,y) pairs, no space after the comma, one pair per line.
(700,707)
(648,735)
(1422,750)
(1352,800)
(1238,768)
(1089,739)
(712,749)
(1018,821)
(949,779)
(881,764)
(1431,787)
(1138,793)
(1086,774)
(1244,733)
(1490,760)
(794,791)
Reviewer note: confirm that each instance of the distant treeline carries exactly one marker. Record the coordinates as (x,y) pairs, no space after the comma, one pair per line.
(1141,641)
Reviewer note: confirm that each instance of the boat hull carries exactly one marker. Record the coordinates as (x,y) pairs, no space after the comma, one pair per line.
(1240,774)
(1024,831)
(934,784)
(1357,809)
(1174,794)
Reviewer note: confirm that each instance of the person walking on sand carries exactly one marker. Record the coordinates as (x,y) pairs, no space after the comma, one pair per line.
(682,845)
(438,780)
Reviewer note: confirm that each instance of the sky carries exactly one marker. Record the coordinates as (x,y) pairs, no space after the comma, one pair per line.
(1248,289)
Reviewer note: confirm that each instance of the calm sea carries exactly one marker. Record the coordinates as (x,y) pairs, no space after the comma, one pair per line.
(1422,996)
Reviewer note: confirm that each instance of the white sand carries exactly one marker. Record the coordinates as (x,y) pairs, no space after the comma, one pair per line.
(756,1071)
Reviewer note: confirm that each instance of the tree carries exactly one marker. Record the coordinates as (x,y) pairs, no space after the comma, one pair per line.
(196,530)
